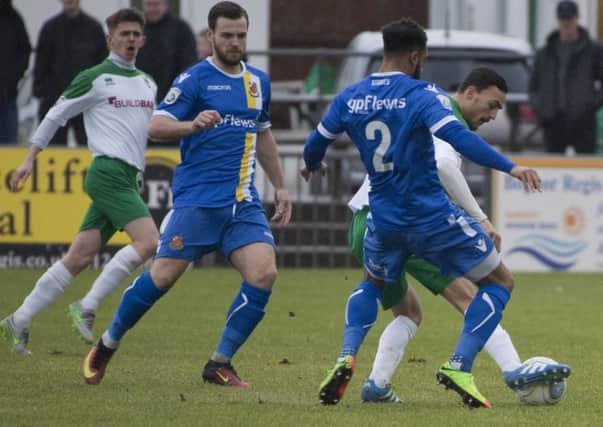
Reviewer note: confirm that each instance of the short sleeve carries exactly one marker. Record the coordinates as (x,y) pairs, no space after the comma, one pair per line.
(181,101)
(264,119)
(434,107)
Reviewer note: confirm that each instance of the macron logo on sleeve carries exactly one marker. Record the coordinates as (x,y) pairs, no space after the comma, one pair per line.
(182,77)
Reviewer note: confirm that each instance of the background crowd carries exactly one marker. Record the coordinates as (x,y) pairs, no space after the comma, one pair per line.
(565,87)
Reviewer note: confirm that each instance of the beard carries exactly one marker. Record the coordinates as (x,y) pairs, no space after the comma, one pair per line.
(228,58)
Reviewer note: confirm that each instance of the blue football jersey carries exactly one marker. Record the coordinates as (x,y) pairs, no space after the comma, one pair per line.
(218,164)
(390,118)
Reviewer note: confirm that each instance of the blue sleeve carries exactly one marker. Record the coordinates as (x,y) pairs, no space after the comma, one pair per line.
(318,141)
(473,147)
(433,106)
(182,100)
(315,149)
(266,95)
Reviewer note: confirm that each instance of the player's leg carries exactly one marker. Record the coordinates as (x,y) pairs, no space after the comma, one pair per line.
(190,233)
(392,343)
(499,346)
(113,185)
(249,245)
(383,261)
(398,333)
(15,328)
(460,247)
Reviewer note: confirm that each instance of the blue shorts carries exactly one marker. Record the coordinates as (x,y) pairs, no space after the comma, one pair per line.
(457,246)
(191,232)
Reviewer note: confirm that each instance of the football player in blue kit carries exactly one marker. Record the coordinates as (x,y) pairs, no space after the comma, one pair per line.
(391,116)
(219,110)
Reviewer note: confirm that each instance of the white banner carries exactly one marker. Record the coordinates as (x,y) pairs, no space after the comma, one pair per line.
(560,229)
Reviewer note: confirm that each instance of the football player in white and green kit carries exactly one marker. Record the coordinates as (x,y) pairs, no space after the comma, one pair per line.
(477,101)
(117,101)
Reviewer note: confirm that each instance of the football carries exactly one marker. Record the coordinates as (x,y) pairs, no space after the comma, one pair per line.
(543,393)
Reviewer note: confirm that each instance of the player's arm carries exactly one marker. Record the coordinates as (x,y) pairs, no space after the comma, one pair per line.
(77,98)
(165,127)
(458,190)
(479,151)
(318,141)
(267,154)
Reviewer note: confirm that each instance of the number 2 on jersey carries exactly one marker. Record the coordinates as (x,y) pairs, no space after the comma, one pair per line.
(386,138)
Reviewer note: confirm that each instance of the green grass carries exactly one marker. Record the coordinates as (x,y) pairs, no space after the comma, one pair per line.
(154,379)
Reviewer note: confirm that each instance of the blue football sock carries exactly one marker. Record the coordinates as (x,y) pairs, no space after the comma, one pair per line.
(361,314)
(244,314)
(137,299)
(482,317)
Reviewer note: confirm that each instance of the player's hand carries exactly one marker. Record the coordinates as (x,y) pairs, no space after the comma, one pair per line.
(528,177)
(307,174)
(206,119)
(21,174)
(282,212)
(491,231)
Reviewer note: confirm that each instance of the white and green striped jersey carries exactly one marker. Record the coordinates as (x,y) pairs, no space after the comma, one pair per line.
(117,104)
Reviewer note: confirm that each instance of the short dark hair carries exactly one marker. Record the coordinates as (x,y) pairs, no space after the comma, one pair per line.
(226,9)
(403,36)
(482,78)
(124,15)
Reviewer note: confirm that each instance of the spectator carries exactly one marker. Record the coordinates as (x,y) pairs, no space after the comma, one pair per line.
(15,50)
(68,43)
(565,86)
(170,46)
(204,47)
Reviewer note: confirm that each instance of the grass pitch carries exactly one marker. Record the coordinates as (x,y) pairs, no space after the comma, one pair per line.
(154,379)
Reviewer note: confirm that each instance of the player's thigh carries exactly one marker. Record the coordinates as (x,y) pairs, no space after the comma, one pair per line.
(95,219)
(459,247)
(113,187)
(393,293)
(384,254)
(356,233)
(428,274)
(188,233)
(249,245)
(144,235)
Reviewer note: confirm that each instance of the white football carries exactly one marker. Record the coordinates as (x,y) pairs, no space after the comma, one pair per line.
(543,393)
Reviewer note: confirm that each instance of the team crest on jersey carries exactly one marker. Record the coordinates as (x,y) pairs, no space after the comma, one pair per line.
(253,89)
(445,101)
(172,96)
(109,81)
(176,243)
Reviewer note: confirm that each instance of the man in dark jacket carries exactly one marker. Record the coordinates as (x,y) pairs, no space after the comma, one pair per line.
(170,47)
(15,50)
(68,43)
(565,86)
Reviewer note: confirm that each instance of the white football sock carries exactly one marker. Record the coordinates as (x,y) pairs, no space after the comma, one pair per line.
(502,351)
(48,288)
(121,266)
(393,341)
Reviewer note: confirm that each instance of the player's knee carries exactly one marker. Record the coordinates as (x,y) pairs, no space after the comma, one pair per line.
(508,281)
(148,246)
(75,262)
(412,311)
(264,278)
